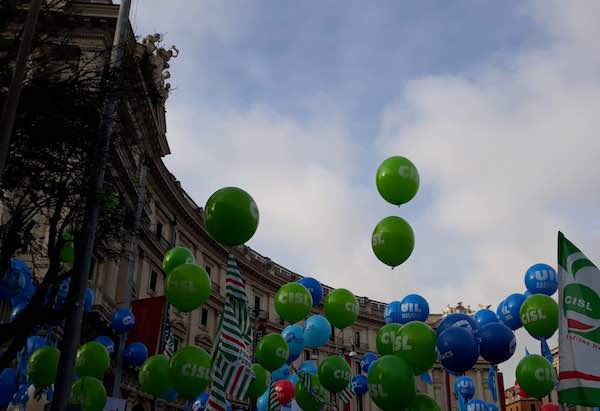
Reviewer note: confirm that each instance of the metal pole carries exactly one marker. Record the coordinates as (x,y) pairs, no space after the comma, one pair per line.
(85,244)
(133,254)
(9,111)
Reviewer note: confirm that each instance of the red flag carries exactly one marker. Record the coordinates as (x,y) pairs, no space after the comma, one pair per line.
(148,321)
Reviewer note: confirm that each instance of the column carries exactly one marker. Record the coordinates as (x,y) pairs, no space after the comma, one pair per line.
(479,392)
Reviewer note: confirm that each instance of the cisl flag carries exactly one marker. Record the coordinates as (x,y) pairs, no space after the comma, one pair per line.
(579,332)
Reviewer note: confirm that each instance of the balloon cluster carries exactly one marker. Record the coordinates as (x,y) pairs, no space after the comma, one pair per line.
(393,239)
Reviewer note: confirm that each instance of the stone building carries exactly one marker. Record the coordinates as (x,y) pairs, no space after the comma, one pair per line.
(170,217)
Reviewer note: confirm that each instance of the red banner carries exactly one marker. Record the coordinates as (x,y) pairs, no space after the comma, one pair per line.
(148,320)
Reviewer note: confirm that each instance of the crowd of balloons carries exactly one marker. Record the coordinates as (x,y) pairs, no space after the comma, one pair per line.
(407,346)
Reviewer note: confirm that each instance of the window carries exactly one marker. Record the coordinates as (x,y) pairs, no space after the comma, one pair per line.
(532,406)
(92,266)
(256,303)
(176,344)
(204,317)
(306,355)
(159,229)
(153,280)
(208,269)
(357,339)
(332,335)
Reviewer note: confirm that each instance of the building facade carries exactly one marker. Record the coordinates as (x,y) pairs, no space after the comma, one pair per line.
(170,217)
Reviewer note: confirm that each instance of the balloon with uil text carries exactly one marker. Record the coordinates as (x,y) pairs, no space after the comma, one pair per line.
(92,360)
(477,405)
(154,376)
(335,373)
(231,216)
(536,376)
(423,402)
(305,398)
(314,287)
(135,354)
(393,241)
(397,180)
(366,361)
(294,336)
(458,320)
(188,287)
(415,343)
(177,256)
(391,383)
(341,308)
(43,366)
(465,387)
(260,383)
(360,385)
(386,338)
(493,407)
(285,391)
(89,394)
(539,316)
(541,279)
(485,316)
(317,331)
(413,307)
(123,321)
(509,313)
(458,349)
(293,302)
(392,313)
(200,402)
(272,351)
(497,342)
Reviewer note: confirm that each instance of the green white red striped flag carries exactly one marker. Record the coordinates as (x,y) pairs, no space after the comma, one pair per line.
(579,331)
(346,395)
(273,398)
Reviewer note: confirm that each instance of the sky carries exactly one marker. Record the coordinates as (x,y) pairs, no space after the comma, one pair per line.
(496,103)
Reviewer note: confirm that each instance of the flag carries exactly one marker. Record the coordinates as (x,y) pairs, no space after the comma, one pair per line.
(232,369)
(168,340)
(273,398)
(579,331)
(148,313)
(346,394)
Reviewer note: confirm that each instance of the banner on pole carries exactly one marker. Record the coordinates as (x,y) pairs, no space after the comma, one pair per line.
(579,332)
(148,314)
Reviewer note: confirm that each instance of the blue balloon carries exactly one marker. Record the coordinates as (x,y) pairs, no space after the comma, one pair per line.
(485,316)
(262,403)
(527,294)
(294,336)
(293,378)
(171,395)
(25,294)
(62,293)
(367,359)
(509,314)
(8,386)
(309,367)
(315,289)
(499,310)
(317,331)
(372,365)
(135,354)
(492,407)
(360,385)
(200,401)
(15,280)
(458,349)
(458,320)
(282,373)
(122,321)
(497,342)
(392,313)
(413,307)
(107,342)
(89,300)
(465,386)
(541,279)
(17,310)
(228,406)
(477,405)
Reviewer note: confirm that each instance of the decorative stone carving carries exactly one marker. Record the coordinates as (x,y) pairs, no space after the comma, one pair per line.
(159,58)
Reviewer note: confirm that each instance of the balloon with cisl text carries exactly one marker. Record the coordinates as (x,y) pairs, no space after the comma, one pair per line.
(386,338)
(393,241)
(458,320)
(497,342)
(92,360)
(177,256)
(397,180)
(272,351)
(154,376)
(413,307)
(305,398)
(423,402)
(541,279)
(458,349)
(509,312)
(314,287)
(260,383)
(360,385)
(43,366)
(89,394)
(539,316)
(231,216)
(294,336)
(317,331)
(391,383)
(335,373)
(189,371)
(415,343)
(465,387)
(293,302)
(536,376)
(188,287)
(485,316)
(341,308)
(122,321)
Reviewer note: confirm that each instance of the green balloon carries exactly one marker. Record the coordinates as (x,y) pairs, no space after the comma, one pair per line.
(393,241)
(177,256)
(415,344)
(189,370)
(397,180)
(306,400)
(260,383)
(386,337)
(272,351)
(92,360)
(42,366)
(231,216)
(423,402)
(536,376)
(341,308)
(67,253)
(293,302)
(188,287)
(89,394)
(391,383)
(335,373)
(154,376)
(539,315)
